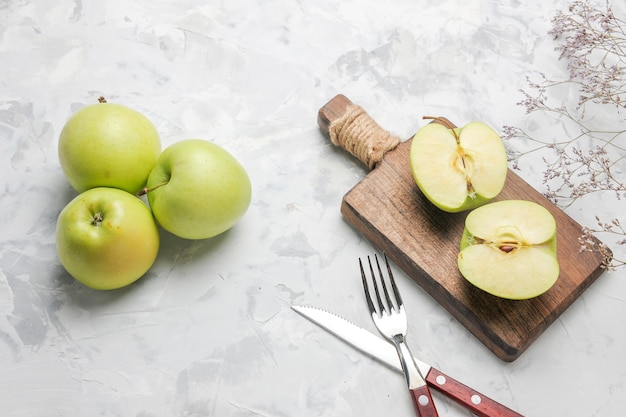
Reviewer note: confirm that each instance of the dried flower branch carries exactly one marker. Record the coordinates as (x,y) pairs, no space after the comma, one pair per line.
(594,42)
(593,157)
(588,243)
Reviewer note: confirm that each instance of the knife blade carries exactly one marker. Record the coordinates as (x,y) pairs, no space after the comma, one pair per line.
(358,337)
(380,349)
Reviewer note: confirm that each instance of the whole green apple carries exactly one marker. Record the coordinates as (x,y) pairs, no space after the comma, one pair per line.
(108,145)
(458,169)
(106,238)
(508,249)
(197,189)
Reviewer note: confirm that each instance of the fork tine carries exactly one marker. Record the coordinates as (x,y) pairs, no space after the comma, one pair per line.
(393,283)
(390,304)
(368,297)
(379,300)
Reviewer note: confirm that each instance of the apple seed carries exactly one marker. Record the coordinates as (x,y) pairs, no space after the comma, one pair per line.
(507,248)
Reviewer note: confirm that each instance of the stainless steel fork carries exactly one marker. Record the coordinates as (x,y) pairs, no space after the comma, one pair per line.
(390,320)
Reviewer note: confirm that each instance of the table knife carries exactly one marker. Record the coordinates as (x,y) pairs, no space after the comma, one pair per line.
(376,347)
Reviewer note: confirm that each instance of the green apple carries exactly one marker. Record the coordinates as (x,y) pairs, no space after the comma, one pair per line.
(458,169)
(197,189)
(106,238)
(508,249)
(108,145)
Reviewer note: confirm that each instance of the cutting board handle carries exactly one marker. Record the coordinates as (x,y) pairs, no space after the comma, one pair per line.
(353,130)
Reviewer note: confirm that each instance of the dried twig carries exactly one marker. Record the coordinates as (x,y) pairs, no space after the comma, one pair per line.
(593,160)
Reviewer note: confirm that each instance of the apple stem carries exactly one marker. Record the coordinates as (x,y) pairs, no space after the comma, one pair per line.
(444,122)
(101,99)
(146,190)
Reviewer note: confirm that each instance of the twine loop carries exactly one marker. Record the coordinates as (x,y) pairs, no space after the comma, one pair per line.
(361,136)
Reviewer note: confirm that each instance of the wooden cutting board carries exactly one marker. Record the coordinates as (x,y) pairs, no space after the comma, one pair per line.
(388,208)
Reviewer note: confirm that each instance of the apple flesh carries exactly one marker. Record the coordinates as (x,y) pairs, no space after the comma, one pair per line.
(106,238)
(508,249)
(108,145)
(458,169)
(197,189)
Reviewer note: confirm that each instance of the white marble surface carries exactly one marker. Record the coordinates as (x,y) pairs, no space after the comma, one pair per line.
(209,331)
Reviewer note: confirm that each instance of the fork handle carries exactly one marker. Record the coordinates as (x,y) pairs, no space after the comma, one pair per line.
(479,404)
(423,402)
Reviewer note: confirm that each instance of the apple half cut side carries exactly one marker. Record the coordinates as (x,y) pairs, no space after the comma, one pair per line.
(458,169)
(508,249)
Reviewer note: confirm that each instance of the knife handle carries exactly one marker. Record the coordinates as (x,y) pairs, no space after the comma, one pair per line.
(478,403)
(423,402)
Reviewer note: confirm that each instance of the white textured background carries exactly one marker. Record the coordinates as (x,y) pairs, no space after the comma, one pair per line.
(209,330)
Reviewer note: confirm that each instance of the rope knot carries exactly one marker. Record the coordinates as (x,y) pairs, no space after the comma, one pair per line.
(361,136)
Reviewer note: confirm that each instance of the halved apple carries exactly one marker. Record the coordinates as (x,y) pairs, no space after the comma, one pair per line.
(508,249)
(458,169)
